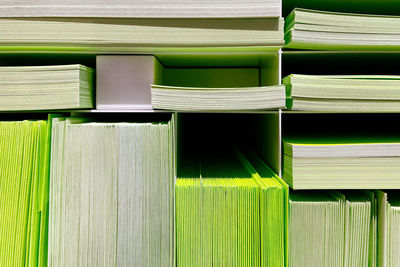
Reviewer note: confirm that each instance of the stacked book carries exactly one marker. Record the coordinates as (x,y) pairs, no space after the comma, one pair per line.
(330,228)
(24,148)
(111,194)
(233,215)
(355,93)
(46,87)
(322,30)
(338,162)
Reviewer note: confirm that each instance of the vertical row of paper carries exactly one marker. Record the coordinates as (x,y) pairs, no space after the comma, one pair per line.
(23,203)
(111,194)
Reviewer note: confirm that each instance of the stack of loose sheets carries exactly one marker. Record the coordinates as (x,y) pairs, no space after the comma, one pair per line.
(141,35)
(46,87)
(371,93)
(111,194)
(211,99)
(320,30)
(328,228)
(143,8)
(337,162)
(230,216)
(24,148)
(388,228)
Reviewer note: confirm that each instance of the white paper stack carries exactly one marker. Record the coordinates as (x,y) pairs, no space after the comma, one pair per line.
(46,87)
(379,93)
(198,99)
(142,8)
(341,162)
(111,194)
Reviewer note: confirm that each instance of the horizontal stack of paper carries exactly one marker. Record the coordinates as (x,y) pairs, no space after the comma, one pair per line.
(327,228)
(220,213)
(388,228)
(198,99)
(111,194)
(138,35)
(46,87)
(321,30)
(337,162)
(142,8)
(23,178)
(372,93)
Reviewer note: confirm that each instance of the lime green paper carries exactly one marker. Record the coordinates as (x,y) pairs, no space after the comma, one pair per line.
(230,211)
(23,145)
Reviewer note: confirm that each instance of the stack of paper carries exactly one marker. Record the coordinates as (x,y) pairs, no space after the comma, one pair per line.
(111,194)
(327,228)
(24,147)
(388,228)
(220,213)
(372,93)
(321,30)
(138,35)
(359,232)
(337,162)
(46,87)
(198,99)
(142,8)
(316,229)
(273,211)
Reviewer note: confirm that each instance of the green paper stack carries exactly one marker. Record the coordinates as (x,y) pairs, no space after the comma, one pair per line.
(388,228)
(46,87)
(342,162)
(321,30)
(24,147)
(229,216)
(316,229)
(204,98)
(358,234)
(111,194)
(110,35)
(328,228)
(141,9)
(356,93)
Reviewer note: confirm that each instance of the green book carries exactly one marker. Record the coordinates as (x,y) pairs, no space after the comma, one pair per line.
(356,93)
(24,162)
(322,30)
(111,193)
(46,87)
(230,210)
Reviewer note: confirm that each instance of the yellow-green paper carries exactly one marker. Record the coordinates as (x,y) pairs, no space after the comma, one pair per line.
(230,211)
(24,148)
